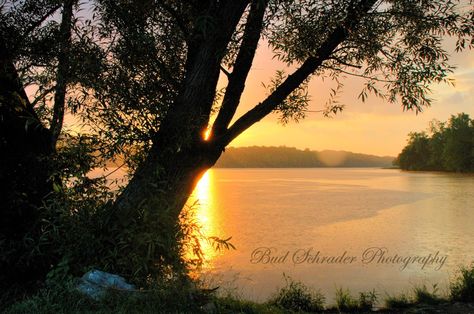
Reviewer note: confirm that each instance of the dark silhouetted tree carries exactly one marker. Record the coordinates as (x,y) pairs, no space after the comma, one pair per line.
(449,148)
(143,75)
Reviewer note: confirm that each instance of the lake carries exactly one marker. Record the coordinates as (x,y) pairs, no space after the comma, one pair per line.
(356,228)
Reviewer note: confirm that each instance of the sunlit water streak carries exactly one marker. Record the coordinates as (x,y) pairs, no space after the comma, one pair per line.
(201,201)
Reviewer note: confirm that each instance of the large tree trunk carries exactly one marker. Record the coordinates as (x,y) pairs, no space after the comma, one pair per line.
(25,147)
(179,155)
(165,180)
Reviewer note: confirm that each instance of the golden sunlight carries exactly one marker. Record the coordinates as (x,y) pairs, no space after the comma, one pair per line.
(206,134)
(204,214)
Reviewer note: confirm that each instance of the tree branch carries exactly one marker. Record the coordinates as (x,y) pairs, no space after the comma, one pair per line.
(337,36)
(42,95)
(40,21)
(190,113)
(179,21)
(243,63)
(62,73)
(372,78)
(227,73)
(11,87)
(346,63)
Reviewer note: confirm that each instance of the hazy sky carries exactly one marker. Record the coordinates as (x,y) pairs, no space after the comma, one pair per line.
(374,127)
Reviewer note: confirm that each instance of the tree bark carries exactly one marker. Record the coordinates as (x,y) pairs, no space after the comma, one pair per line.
(179,155)
(164,181)
(25,147)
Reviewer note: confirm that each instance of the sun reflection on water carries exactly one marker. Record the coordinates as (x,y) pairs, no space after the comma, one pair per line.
(202,197)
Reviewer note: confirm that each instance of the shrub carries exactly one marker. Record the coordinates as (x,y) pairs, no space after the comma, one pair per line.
(345,302)
(367,300)
(422,295)
(295,296)
(462,289)
(398,302)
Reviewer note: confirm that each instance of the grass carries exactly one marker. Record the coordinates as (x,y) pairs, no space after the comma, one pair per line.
(67,299)
(345,302)
(423,296)
(401,301)
(294,297)
(462,288)
(420,296)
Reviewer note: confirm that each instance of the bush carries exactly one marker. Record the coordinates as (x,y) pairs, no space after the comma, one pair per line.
(462,289)
(345,302)
(367,300)
(398,302)
(422,295)
(297,297)
(169,298)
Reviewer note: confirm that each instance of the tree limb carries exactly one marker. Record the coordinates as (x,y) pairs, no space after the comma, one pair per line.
(227,73)
(42,95)
(346,63)
(312,63)
(36,24)
(62,73)
(243,63)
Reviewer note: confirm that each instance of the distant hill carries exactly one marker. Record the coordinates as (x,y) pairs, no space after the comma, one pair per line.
(290,157)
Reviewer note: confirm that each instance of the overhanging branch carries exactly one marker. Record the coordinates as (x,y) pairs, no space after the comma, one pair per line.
(337,36)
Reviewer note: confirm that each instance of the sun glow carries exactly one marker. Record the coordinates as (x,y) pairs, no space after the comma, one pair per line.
(204,215)
(206,135)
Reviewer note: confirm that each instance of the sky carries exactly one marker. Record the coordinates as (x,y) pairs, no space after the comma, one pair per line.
(374,127)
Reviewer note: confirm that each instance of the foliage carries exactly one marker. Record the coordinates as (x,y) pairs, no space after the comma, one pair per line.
(367,300)
(65,298)
(297,297)
(60,296)
(80,226)
(344,301)
(230,304)
(422,295)
(450,147)
(289,157)
(142,79)
(462,288)
(347,303)
(295,105)
(396,43)
(401,301)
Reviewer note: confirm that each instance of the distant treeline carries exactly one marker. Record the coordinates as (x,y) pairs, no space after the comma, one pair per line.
(289,157)
(444,147)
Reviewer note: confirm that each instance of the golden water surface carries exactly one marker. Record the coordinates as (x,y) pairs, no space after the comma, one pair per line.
(308,214)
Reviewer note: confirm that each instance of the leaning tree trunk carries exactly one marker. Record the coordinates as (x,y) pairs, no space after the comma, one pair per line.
(165,180)
(179,155)
(147,211)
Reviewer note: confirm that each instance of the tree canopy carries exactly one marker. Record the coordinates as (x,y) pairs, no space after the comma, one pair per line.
(142,78)
(447,146)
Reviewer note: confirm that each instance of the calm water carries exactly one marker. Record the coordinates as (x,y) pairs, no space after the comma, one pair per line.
(306,219)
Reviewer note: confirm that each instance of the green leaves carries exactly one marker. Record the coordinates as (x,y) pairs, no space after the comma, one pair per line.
(294,106)
(396,47)
(448,147)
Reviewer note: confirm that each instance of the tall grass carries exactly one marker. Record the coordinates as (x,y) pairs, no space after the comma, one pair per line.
(295,296)
(345,302)
(462,288)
